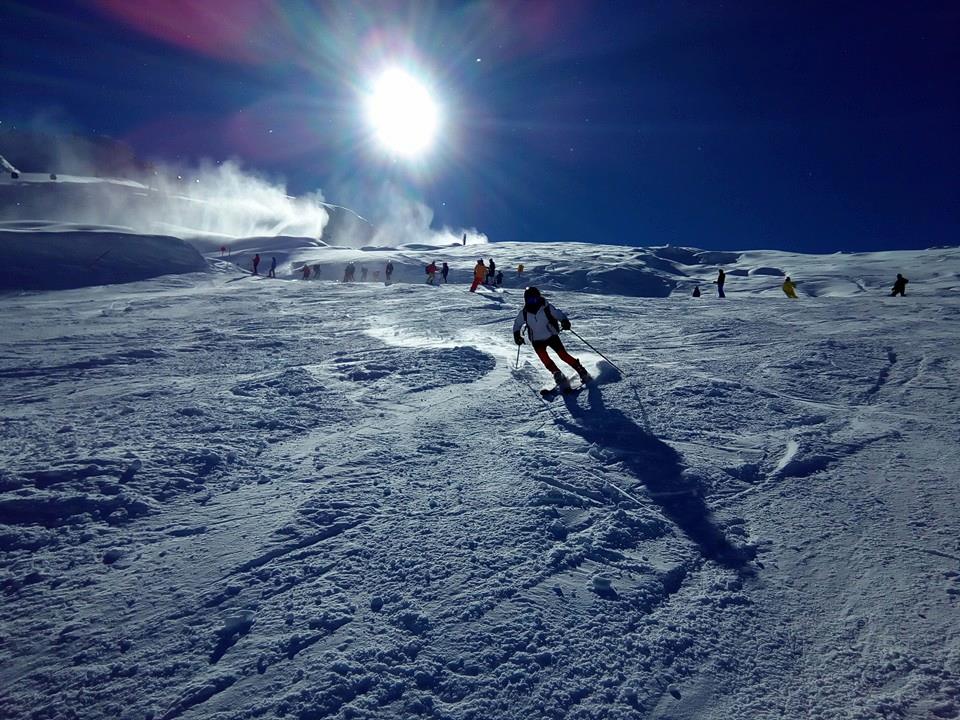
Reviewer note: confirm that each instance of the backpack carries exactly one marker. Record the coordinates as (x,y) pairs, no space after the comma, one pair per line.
(551,320)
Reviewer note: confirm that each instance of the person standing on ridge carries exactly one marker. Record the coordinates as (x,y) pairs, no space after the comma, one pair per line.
(789,288)
(444,271)
(479,274)
(273,268)
(721,278)
(544,323)
(899,286)
(256,263)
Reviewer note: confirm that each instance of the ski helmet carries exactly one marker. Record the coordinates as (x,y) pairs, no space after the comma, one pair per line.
(531,294)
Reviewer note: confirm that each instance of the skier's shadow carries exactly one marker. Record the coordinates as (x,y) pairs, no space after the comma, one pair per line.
(658,467)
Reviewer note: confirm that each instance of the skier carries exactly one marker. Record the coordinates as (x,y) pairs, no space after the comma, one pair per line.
(316,270)
(363,274)
(348,273)
(431,273)
(899,286)
(223,250)
(388,271)
(306,271)
(499,280)
(444,271)
(520,269)
(479,274)
(696,291)
(721,277)
(490,272)
(789,288)
(256,263)
(544,323)
(273,268)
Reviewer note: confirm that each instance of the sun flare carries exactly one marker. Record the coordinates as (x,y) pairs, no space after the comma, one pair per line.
(402,114)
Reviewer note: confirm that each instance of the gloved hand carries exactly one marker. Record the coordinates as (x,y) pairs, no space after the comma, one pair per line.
(518,338)
(565,324)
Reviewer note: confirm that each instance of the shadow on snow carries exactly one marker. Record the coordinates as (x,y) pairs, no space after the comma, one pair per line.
(658,466)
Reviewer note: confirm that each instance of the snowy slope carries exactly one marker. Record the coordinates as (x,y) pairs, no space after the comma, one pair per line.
(600,269)
(66,258)
(231,497)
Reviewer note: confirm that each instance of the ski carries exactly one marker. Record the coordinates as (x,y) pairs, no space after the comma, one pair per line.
(568,388)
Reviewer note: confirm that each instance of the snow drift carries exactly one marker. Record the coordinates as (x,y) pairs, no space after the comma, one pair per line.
(71,259)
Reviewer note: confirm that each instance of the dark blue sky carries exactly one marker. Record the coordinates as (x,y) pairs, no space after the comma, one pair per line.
(804,125)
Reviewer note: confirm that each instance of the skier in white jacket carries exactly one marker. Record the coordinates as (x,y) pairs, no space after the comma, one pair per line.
(544,323)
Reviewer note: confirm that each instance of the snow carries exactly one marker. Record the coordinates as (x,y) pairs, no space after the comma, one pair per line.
(231,497)
(38,260)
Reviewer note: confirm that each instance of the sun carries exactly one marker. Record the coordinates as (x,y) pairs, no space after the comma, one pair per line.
(402,114)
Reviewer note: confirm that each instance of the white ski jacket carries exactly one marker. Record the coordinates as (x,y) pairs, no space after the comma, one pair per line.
(538,324)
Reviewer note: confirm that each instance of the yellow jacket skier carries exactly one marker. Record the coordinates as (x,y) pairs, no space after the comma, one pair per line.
(789,288)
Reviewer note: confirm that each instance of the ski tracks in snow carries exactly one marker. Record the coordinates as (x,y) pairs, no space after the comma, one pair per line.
(335,501)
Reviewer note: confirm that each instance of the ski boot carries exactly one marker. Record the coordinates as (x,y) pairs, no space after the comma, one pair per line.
(585,377)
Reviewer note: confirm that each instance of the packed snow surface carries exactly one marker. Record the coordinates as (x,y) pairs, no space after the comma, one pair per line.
(226,496)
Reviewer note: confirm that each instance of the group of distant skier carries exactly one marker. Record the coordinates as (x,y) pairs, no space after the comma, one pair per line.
(488,275)
(789,286)
(256,264)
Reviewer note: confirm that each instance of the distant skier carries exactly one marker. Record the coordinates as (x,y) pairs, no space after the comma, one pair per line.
(256,263)
(444,271)
(306,271)
(223,250)
(479,274)
(899,286)
(721,278)
(388,271)
(544,323)
(789,288)
(273,268)
(316,270)
(431,273)
(499,279)
(696,291)
(348,272)
(520,269)
(363,274)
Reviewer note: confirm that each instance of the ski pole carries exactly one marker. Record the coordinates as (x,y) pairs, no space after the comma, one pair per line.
(517,364)
(598,353)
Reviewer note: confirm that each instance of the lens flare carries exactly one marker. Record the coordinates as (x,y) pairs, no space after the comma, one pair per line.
(402,114)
